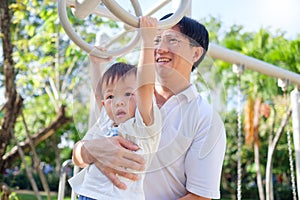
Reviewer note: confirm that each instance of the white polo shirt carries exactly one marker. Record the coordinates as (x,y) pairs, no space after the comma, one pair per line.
(191,150)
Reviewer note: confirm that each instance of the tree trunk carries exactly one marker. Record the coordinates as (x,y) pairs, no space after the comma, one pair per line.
(256,118)
(258,173)
(271,149)
(269,185)
(36,160)
(43,178)
(28,170)
(58,160)
(13,103)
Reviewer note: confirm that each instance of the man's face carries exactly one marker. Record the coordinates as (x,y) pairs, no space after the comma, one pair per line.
(173,51)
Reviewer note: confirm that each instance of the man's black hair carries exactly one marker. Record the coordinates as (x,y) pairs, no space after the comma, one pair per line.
(195,31)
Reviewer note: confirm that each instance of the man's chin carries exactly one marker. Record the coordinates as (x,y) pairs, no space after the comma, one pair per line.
(164,69)
(164,65)
(165,73)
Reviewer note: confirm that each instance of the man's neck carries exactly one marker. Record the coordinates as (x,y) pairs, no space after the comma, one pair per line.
(162,94)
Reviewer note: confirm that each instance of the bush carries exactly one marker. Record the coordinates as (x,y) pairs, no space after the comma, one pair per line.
(21,181)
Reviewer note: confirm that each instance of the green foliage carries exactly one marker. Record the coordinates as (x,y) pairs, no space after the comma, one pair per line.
(12,196)
(51,69)
(274,49)
(29,195)
(15,179)
(214,28)
(19,180)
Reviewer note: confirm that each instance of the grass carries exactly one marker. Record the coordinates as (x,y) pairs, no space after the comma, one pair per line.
(29,195)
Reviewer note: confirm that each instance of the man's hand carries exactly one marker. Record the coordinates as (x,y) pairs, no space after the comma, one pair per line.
(113,156)
(115,152)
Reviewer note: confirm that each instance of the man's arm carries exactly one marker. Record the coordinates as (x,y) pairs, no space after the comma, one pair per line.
(191,196)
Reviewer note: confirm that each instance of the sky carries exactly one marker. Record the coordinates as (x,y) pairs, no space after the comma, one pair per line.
(252,14)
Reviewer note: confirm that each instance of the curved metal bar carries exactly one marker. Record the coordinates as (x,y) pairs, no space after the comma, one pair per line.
(131,20)
(71,33)
(85,46)
(104,12)
(84,8)
(137,8)
(99,10)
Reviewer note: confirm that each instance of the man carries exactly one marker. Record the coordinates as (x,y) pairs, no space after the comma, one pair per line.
(189,161)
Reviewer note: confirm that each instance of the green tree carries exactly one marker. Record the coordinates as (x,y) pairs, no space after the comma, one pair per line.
(272,48)
(41,69)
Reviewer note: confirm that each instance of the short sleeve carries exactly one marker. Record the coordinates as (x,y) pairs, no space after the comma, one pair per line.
(204,160)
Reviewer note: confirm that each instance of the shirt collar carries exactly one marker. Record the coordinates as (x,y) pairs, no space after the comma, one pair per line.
(188,94)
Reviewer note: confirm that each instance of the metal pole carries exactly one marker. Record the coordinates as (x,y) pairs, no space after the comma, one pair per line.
(222,53)
(295,105)
(62,184)
(62,179)
(75,171)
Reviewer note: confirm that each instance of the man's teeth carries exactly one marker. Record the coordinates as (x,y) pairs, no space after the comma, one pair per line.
(163,60)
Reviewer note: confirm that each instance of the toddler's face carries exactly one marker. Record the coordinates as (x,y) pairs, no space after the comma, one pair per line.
(119,98)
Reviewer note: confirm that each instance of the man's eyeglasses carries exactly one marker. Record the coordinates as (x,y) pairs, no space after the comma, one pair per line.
(169,40)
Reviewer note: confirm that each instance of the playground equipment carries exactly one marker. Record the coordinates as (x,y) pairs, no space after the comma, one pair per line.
(110,9)
(84,8)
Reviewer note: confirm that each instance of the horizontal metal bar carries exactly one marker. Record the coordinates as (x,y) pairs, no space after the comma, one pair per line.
(218,52)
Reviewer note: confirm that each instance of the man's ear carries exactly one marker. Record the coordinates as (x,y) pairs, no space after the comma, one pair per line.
(198,51)
(102,102)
